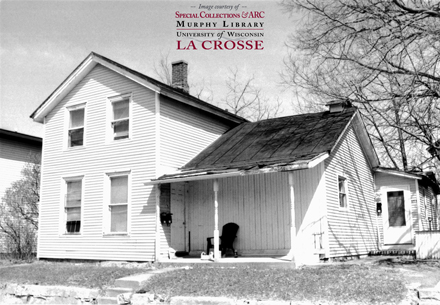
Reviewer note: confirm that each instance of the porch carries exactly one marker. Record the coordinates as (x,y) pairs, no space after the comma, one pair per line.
(279,214)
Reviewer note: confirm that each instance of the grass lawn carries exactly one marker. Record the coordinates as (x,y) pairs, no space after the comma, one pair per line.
(328,284)
(87,275)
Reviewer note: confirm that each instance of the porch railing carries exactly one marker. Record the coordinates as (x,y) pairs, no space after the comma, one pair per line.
(428,244)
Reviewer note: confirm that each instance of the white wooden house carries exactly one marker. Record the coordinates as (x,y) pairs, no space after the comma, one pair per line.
(107,130)
(121,148)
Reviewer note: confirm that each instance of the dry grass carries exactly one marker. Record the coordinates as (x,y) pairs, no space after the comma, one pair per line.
(327,284)
(89,275)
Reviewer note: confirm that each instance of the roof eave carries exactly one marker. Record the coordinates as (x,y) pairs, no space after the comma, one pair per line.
(63,89)
(204,175)
(90,62)
(397,173)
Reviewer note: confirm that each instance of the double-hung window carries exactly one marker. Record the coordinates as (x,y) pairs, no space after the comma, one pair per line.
(118,205)
(76,126)
(72,205)
(342,186)
(120,117)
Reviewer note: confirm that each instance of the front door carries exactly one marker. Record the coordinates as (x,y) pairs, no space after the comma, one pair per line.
(178,226)
(397,215)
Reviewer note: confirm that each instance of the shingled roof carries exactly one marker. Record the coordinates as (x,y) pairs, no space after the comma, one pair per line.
(274,141)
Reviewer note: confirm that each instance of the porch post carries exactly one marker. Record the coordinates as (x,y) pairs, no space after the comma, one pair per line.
(292,213)
(216,232)
(157,237)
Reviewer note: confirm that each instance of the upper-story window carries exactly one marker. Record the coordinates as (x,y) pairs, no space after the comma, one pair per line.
(120,118)
(76,126)
(342,186)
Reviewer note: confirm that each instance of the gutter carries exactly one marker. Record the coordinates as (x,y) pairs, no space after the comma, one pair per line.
(183,177)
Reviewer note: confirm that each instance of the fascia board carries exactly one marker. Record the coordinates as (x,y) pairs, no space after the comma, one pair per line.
(71,81)
(204,176)
(366,144)
(360,131)
(399,174)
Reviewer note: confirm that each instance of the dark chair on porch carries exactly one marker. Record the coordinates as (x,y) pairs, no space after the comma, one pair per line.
(229,233)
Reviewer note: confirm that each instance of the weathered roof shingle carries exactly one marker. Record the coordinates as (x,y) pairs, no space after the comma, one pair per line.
(274,141)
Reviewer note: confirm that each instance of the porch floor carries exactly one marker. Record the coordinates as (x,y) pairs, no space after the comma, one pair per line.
(273,261)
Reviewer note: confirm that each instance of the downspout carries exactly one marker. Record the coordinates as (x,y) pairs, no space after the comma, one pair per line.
(292,216)
(419,213)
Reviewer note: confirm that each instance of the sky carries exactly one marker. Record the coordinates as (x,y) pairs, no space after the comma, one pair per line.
(42,42)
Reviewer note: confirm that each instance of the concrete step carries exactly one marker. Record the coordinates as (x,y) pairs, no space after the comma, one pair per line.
(115,291)
(426,302)
(429,294)
(107,301)
(134,282)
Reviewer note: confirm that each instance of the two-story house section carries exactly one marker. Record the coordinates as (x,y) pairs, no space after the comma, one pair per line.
(107,130)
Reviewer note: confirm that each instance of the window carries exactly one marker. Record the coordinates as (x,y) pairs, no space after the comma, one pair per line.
(342,184)
(396,209)
(72,205)
(76,127)
(120,122)
(118,206)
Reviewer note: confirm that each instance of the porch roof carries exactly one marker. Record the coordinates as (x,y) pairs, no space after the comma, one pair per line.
(273,145)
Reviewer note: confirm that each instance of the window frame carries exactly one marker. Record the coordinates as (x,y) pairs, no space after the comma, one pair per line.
(107,204)
(68,129)
(110,117)
(63,211)
(345,182)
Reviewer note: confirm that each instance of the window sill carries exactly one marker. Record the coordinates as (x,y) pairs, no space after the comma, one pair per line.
(116,234)
(71,234)
(119,141)
(75,148)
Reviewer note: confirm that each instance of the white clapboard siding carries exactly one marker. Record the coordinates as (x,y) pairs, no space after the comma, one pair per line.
(93,161)
(260,205)
(352,231)
(185,132)
(387,180)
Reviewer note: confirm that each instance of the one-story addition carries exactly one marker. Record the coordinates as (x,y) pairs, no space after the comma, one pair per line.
(133,168)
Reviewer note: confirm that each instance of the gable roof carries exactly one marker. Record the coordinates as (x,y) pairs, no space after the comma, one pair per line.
(93,59)
(286,143)
(428,178)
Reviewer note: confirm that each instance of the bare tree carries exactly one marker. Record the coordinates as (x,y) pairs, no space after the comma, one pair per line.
(381,55)
(19,210)
(246,99)
(199,89)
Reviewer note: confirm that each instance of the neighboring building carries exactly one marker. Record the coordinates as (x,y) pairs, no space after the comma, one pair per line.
(408,204)
(16,149)
(133,168)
